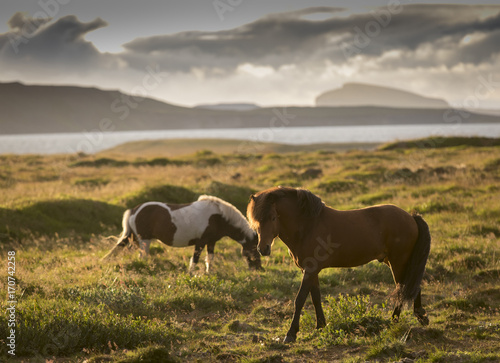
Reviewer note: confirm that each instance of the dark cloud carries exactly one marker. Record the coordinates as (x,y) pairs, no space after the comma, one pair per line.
(43,42)
(481,50)
(275,40)
(20,21)
(287,38)
(436,26)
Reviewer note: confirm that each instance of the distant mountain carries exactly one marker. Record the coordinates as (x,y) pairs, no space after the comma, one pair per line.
(359,94)
(46,109)
(230,106)
(486,111)
(52,109)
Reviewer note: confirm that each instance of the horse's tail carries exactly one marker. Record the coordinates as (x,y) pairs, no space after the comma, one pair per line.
(123,240)
(408,289)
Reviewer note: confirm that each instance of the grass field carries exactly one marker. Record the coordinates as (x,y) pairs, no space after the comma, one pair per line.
(56,212)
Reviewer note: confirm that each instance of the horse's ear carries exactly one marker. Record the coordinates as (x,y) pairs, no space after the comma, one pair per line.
(252,197)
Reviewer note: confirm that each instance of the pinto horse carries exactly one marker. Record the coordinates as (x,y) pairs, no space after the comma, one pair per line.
(319,237)
(198,224)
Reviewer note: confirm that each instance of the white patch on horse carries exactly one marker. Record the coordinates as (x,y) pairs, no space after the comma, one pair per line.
(191,264)
(191,221)
(208,261)
(231,214)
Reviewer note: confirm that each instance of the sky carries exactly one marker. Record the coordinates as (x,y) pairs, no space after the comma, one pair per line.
(281,52)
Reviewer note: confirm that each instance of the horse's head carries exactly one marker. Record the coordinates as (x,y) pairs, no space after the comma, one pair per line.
(264,219)
(268,230)
(251,253)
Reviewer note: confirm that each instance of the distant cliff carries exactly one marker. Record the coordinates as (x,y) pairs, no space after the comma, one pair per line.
(52,109)
(229,106)
(359,94)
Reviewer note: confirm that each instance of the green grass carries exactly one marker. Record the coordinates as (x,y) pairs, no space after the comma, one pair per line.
(177,147)
(56,212)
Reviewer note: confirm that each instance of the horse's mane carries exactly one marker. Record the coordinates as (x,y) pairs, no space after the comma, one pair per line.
(309,204)
(231,214)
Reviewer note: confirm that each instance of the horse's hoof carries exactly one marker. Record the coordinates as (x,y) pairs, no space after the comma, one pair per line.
(423,319)
(289,339)
(421,316)
(257,268)
(320,326)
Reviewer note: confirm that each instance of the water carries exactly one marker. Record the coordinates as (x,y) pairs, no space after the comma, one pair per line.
(92,142)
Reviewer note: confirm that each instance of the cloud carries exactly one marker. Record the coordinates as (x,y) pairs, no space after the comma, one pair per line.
(19,21)
(422,35)
(292,38)
(274,40)
(437,50)
(43,43)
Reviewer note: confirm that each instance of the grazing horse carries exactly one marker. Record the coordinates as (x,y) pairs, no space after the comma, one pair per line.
(198,224)
(319,237)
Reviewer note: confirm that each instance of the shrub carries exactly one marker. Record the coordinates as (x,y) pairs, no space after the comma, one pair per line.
(350,317)
(234,194)
(98,163)
(442,142)
(437,207)
(374,198)
(205,158)
(163,193)
(158,162)
(91,182)
(336,186)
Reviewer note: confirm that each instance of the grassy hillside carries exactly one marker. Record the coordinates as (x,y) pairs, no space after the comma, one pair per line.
(56,212)
(177,147)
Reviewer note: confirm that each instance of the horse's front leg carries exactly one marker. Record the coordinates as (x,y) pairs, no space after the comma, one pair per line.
(396,313)
(316,298)
(198,248)
(300,299)
(210,255)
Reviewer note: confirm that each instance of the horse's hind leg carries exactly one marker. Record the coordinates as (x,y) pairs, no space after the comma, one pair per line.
(419,311)
(144,247)
(397,270)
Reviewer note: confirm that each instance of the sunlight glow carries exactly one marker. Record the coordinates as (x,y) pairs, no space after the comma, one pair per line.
(256,71)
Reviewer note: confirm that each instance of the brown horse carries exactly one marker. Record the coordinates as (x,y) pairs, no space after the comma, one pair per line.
(198,224)
(319,237)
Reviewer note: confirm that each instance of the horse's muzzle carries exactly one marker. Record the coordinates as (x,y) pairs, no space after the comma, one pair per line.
(266,251)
